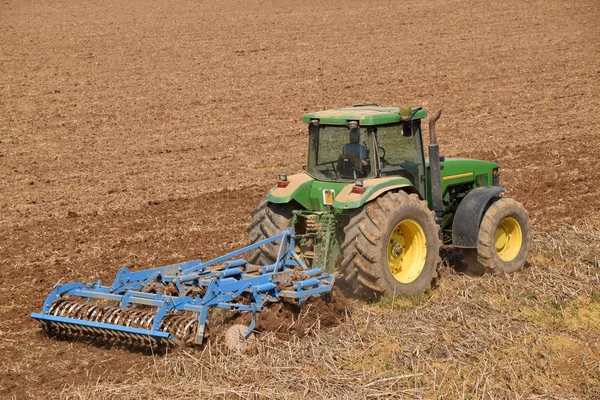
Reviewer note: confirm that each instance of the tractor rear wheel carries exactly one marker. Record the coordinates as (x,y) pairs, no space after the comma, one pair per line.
(504,239)
(391,246)
(268,220)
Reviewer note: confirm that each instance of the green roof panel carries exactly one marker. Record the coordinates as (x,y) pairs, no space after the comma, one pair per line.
(366,115)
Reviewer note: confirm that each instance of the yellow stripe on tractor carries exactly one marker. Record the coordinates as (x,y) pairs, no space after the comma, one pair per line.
(457,176)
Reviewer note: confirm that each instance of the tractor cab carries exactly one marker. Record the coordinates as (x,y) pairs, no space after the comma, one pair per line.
(366,142)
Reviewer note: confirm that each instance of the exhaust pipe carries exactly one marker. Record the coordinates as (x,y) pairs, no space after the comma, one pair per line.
(434,171)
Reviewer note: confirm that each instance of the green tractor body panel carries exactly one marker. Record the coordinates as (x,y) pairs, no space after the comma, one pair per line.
(316,193)
(365,115)
(308,192)
(375,187)
(298,189)
(463,171)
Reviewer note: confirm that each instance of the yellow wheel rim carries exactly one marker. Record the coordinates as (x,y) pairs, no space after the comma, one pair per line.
(407,250)
(508,239)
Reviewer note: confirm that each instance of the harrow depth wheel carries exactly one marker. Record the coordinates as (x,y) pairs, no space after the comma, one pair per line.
(234,337)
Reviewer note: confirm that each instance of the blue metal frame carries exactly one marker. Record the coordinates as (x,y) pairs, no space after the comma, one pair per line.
(225,281)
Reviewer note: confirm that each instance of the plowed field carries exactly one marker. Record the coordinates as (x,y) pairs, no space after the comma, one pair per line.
(143,133)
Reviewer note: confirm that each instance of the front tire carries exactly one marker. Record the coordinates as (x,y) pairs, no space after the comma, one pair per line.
(268,220)
(504,239)
(391,246)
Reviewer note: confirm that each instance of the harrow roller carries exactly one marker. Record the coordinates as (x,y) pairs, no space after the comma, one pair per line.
(134,306)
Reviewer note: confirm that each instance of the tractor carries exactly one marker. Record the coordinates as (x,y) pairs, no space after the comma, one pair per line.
(371,208)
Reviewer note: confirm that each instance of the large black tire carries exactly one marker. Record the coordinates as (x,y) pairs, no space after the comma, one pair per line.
(268,220)
(379,234)
(504,239)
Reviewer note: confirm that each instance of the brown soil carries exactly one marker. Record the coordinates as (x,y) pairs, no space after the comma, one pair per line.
(67,249)
(140,135)
(287,320)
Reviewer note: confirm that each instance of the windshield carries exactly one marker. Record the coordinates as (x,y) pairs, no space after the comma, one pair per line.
(401,153)
(340,153)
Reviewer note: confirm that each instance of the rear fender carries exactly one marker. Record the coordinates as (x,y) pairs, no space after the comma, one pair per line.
(298,189)
(346,200)
(465,228)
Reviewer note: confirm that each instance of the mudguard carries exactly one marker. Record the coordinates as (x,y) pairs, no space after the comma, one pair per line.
(308,192)
(374,187)
(465,228)
(298,189)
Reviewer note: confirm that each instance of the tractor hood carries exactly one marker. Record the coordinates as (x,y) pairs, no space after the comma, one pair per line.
(463,171)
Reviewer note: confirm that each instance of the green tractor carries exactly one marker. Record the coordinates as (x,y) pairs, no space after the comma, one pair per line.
(371,208)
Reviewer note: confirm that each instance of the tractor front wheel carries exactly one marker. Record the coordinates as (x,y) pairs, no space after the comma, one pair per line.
(391,246)
(504,239)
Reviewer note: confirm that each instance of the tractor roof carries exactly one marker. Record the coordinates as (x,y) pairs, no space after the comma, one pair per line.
(366,115)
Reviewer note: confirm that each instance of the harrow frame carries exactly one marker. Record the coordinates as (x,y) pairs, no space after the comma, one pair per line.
(225,282)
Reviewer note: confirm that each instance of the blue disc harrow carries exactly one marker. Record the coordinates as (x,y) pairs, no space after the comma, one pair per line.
(171,304)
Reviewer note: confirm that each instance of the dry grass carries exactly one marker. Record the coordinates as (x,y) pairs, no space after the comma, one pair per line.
(529,335)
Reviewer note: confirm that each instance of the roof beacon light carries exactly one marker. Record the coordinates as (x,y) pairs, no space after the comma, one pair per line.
(405,113)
